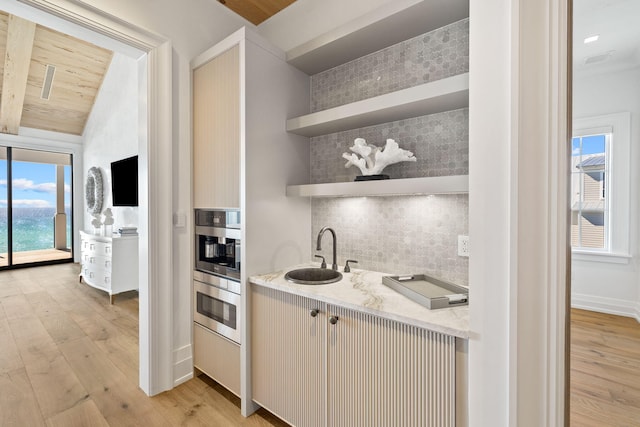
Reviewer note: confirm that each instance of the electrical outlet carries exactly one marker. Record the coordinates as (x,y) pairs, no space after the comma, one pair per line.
(463,246)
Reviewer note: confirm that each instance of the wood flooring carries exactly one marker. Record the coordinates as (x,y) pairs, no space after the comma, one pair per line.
(605,370)
(69,358)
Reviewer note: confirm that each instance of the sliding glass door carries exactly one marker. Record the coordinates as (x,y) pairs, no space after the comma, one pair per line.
(35,215)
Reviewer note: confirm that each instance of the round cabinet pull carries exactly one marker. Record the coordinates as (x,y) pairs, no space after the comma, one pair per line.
(333,320)
(314,312)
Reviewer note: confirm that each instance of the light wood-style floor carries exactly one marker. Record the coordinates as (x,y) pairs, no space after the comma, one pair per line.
(605,370)
(69,358)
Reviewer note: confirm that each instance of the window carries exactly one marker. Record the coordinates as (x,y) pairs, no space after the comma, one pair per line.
(600,187)
(589,168)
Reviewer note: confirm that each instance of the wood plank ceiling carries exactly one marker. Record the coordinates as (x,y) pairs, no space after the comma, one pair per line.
(75,70)
(256,11)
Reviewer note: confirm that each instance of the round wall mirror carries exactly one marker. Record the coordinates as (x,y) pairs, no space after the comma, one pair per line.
(93,191)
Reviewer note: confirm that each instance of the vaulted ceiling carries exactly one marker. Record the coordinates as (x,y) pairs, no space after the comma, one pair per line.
(49,80)
(256,11)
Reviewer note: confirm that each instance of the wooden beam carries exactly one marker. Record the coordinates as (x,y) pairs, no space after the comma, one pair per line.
(20,34)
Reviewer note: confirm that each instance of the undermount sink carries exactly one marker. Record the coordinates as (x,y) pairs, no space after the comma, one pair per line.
(313,276)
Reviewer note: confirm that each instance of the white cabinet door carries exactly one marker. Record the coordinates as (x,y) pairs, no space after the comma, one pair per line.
(384,373)
(288,352)
(216,132)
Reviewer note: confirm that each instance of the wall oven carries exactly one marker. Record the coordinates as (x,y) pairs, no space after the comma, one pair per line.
(217,242)
(216,304)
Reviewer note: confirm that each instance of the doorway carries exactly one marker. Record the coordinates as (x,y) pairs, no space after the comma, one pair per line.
(155,158)
(36,212)
(605,328)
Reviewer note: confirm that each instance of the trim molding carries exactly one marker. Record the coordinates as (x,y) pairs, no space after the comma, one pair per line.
(87,16)
(182,365)
(618,307)
(155,145)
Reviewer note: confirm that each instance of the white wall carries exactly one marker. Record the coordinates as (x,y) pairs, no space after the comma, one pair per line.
(602,286)
(111,133)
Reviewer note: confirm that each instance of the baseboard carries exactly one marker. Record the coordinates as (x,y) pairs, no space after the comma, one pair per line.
(600,304)
(182,365)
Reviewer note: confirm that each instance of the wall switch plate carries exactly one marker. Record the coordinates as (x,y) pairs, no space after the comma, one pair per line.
(463,246)
(179,219)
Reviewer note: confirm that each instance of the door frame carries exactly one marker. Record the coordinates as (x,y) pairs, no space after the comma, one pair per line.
(519,269)
(155,210)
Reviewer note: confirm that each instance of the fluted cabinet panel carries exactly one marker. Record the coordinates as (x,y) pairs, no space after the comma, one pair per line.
(216,132)
(289,344)
(385,373)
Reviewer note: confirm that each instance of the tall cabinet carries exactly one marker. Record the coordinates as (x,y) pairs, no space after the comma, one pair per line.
(216,132)
(243,157)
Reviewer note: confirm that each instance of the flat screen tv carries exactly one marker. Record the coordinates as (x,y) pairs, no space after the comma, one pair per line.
(124,182)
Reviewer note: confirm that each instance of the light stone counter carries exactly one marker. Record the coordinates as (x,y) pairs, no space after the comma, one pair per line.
(363,290)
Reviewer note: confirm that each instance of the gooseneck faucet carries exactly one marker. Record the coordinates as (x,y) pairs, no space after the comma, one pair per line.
(319,245)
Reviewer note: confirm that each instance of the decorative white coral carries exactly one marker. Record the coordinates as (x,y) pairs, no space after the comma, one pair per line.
(375,159)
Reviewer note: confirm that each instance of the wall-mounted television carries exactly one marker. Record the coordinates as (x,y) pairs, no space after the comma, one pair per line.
(124,182)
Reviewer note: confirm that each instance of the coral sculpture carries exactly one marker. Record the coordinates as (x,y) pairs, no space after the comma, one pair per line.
(374,159)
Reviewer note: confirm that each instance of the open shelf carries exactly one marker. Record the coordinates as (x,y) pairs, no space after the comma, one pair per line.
(447,94)
(392,23)
(388,187)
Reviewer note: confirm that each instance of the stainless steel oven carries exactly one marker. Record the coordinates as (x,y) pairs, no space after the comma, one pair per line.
(216,304)
(217,241)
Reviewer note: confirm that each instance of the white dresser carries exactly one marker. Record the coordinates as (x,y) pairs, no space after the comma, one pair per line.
(109,263)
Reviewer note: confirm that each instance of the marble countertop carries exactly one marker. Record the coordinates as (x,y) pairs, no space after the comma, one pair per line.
(363,290)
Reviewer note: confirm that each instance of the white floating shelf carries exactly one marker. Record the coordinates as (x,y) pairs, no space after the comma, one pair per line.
(383,27)
(388,187)
(442,95)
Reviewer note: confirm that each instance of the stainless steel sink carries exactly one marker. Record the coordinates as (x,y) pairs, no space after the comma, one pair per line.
(313,276)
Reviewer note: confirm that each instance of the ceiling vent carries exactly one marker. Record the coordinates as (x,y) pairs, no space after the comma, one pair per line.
(595,59)
(48,82)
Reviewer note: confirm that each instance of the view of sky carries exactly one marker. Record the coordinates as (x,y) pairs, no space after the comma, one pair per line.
(590,145)
(34,184)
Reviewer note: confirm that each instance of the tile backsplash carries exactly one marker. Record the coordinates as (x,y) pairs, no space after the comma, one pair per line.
(432,56)
(399,234)
(440,143)
(396,235)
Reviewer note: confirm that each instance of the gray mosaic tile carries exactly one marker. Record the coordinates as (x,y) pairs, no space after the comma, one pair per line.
(396,235)
(432,56)
(440,143)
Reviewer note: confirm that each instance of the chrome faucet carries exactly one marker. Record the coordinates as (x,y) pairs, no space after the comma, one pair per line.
(334,266)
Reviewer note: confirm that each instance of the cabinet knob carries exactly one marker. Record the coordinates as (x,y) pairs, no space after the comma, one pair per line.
(333,320)
(314,312)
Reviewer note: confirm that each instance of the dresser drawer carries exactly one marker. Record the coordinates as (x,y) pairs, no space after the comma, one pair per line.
(96,248)
(96,262)
(97,277)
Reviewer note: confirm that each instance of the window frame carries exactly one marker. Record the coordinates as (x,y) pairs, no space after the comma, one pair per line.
(618,164)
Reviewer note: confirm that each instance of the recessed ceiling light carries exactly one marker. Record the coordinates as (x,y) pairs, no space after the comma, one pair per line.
(591,39)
